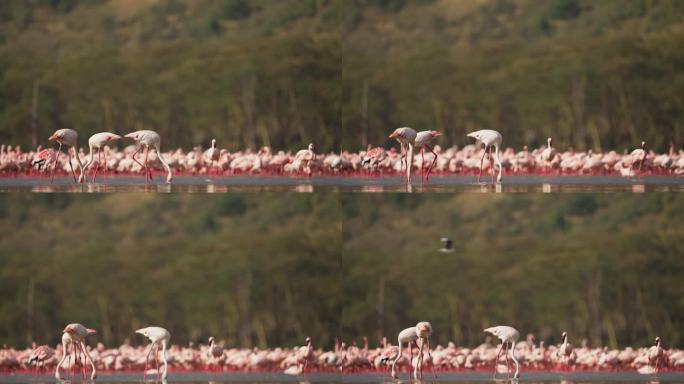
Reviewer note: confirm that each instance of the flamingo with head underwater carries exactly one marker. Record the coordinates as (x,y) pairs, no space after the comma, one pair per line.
(98,142)
(406,137)
(74,335)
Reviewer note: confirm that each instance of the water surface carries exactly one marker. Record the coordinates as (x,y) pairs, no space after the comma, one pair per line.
(202,184)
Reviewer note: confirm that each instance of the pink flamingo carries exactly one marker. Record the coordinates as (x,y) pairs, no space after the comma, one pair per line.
(149,139)
(67,137)
(74,335)
(426,139)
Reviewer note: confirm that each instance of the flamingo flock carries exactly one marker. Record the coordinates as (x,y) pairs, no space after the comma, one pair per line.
(487,154)
(412,353)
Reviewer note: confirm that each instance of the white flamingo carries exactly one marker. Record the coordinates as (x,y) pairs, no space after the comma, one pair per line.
(426,139)
(74,335)
(149,139)
(158,336)
(67,137)
(97,142)
(507,335)
(406,137)
(490,138)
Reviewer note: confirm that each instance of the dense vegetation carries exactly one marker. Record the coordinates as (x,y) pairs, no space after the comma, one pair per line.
(246,269)
(603,267)
(248,73)
(593,74)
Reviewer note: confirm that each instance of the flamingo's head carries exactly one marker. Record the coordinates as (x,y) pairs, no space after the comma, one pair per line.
(549,140)
(395,134)
(144,331)
(69,328)
(113,137)
(312,147)
(643,144)
(308,340)
(56,136)
(657,340)
(435,133)
(424,329)
(133,135)
(211,340)
(564,336)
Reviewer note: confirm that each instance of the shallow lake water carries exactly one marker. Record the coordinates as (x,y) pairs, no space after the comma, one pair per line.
(202,184)
(468,377)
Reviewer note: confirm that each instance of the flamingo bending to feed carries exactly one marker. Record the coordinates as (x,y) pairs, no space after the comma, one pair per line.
(158,336)
(409,335)
(97,141)
(507,335)
(490,138)
(74,335)
(406,137)
(426,139)
(41,355)
(67,137)
(149,139)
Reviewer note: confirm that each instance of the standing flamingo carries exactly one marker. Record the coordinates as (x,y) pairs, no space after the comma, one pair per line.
(74,335)
(67,137)
(406,137)
(97,142)
(490,138)
(307,156)
(158,336)
(149,139)
(212,154)
(656,355)
(549,153)
(215,351)
(639,156)
(507,335)
(565,350)
(426,139)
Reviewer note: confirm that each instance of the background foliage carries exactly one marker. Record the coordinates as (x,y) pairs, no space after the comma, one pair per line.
(249,73)
(343,73)
(603,267)
(592,74)
(246,269)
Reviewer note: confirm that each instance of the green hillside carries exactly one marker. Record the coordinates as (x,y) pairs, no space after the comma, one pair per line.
(603,267)
(592,74)
(246,269)
(248,73)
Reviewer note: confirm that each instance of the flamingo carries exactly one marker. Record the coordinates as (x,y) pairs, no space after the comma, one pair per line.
(97,141)
(150,139)
(490,138)
(307,156)
(549,153)
(655,355)
(409,335)
(639,155)
(158,336)
(426,139)
(74,334)
(41,355)
(67,137)
(507,335)
(215,351)
(565,350)
(212,154)
(406,137)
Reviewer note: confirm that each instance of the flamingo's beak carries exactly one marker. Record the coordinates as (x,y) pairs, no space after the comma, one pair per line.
(53,137)
(393,135)
(435,134)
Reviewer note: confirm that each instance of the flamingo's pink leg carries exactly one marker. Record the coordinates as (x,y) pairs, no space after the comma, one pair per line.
(491,169)
(54,165)
(71,166)
(496,361)
(147,360)
(156,361)
(147,170)
(97,167)
(432,164)
(479,175)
